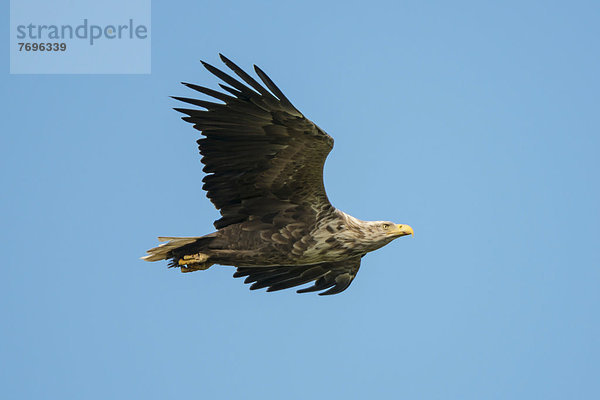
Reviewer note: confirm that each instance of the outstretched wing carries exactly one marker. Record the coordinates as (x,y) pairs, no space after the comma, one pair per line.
(259,151)
(335,276)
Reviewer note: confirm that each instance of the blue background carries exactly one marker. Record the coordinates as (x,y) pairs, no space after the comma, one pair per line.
(475,122)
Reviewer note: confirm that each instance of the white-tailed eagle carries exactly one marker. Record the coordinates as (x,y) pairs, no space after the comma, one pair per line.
(264,164)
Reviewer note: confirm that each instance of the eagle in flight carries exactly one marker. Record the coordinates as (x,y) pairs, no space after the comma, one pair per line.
(264,163)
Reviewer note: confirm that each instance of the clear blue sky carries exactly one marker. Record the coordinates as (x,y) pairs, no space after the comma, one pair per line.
(475,122)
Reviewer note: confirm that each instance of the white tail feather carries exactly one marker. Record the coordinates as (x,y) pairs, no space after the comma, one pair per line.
(161,251)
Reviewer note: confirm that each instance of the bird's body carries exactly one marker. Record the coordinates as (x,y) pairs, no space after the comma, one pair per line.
(264,161)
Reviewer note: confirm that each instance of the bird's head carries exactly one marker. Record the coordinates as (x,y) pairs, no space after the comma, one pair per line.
(370,235)
(380,233)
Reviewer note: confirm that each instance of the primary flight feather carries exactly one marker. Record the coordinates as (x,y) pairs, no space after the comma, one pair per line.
(264,163)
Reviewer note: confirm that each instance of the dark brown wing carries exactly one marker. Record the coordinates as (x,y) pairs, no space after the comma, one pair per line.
(333,276)
(259,150)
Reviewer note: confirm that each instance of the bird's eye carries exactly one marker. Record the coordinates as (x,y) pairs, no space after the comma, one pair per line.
(386,226)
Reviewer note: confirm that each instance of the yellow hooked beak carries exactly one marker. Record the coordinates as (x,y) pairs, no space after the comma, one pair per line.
(403,230)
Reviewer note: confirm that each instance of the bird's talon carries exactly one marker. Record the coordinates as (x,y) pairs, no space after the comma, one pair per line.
(194,262)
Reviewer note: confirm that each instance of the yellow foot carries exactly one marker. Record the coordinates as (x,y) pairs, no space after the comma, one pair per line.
(193,258)
(194,262)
